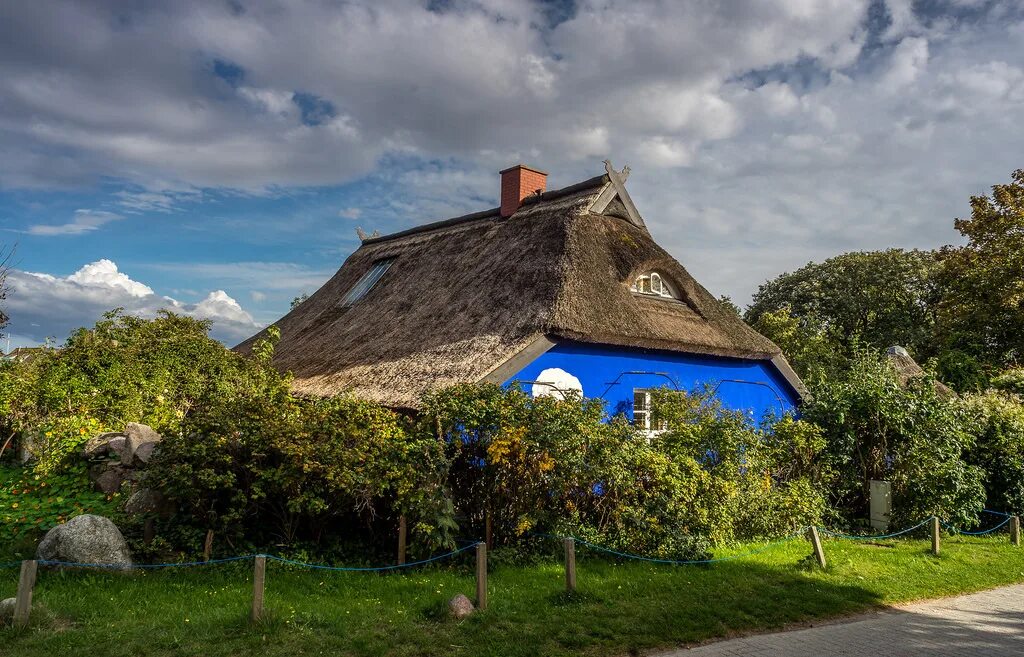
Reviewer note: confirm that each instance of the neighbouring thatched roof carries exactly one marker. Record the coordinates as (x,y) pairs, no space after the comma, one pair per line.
(464,296)
(907,368)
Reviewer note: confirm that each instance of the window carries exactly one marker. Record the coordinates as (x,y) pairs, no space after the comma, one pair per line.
(368,280)
(643,415)
(653,284)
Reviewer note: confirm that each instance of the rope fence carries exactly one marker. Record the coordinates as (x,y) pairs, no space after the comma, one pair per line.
(27,578)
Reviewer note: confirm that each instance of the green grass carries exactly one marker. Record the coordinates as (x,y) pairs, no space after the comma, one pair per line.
(623,608)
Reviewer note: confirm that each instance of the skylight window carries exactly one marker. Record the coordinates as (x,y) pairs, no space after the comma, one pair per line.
(653,284)
(366,283)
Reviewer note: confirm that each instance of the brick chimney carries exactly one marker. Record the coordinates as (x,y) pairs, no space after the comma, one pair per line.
(517,183)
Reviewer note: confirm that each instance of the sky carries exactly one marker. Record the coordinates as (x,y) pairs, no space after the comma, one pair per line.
(216,157)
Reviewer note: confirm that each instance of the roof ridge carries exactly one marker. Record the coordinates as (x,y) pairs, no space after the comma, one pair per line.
(491,213)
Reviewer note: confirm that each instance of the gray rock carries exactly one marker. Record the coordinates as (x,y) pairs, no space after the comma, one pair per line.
(100,445)
(139,435)
(116,445)
(86,539)
(7,610)
(145,500)
(144,452)
(108,480)
(460,606)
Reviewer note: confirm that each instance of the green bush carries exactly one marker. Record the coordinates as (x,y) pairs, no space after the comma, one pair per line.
(761,482)
(878,428)
(997,421)
(31,503)
(273,469)
(125,369)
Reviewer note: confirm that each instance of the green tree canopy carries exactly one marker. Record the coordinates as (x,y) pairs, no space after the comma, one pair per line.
(982,312)
(877,298)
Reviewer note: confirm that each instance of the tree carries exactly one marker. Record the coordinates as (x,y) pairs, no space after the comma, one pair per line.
(982,312)
(812,350)
(874,298)
(297,301)
(5,268)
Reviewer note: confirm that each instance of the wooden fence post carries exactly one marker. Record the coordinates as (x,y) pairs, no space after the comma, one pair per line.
(936,538)
(819,551)
(401,540)
(23,603)
(1015,530)
(208,545)
(570,565)
(259,576)
(481,575)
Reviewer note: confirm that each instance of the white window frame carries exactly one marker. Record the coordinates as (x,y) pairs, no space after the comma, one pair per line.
(645,413)
(656,285)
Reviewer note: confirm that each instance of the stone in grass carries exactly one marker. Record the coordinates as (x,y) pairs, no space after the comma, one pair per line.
(86,539)
(460,606)
(7,610)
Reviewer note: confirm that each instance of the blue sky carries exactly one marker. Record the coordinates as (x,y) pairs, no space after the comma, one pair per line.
(216,157)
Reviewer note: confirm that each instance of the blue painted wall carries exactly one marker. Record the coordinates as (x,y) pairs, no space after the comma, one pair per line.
(753,386)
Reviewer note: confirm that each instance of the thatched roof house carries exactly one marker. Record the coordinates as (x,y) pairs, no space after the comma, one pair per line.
(481,297)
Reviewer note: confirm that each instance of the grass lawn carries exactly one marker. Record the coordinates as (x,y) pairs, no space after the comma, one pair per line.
(620,608)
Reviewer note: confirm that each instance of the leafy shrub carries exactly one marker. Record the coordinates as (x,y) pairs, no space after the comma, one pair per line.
(997,421)
(1011,381)
(125,369)
(760,482)
(31,503)
(271,468)
(878,428)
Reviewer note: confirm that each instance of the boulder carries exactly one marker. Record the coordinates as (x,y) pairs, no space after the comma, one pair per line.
(460,606)
(86,539)
(144,452)
(7,610)
(108,479)
(101,445)
(116,445)
(141,442)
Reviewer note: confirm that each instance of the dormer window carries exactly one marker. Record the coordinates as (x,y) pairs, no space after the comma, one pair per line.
(653,284)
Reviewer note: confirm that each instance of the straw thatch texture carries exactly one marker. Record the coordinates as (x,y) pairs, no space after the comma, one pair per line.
(907,368)
(465,295)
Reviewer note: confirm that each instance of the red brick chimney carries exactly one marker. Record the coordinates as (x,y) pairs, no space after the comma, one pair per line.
(517,183)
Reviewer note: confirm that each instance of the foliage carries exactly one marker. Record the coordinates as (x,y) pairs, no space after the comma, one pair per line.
(754,483)
(31,503)
(125,369)
(270,468)
(878,428)
(811,348)
(997,420)
(982,311)
(1011,381)
(549,465)
(879,298)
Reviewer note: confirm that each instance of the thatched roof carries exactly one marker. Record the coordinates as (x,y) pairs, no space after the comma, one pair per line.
(907,368)
(464,297)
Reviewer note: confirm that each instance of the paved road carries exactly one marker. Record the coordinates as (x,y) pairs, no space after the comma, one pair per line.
(989,624)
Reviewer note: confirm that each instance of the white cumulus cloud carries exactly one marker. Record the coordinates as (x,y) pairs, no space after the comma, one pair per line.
(43,306)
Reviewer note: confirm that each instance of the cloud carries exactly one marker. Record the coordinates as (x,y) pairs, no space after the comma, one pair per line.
(42,306)
(84,221)
(760,133)
(350,213)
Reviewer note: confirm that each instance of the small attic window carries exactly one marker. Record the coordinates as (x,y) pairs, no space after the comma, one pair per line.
(653,284)
(366,283)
